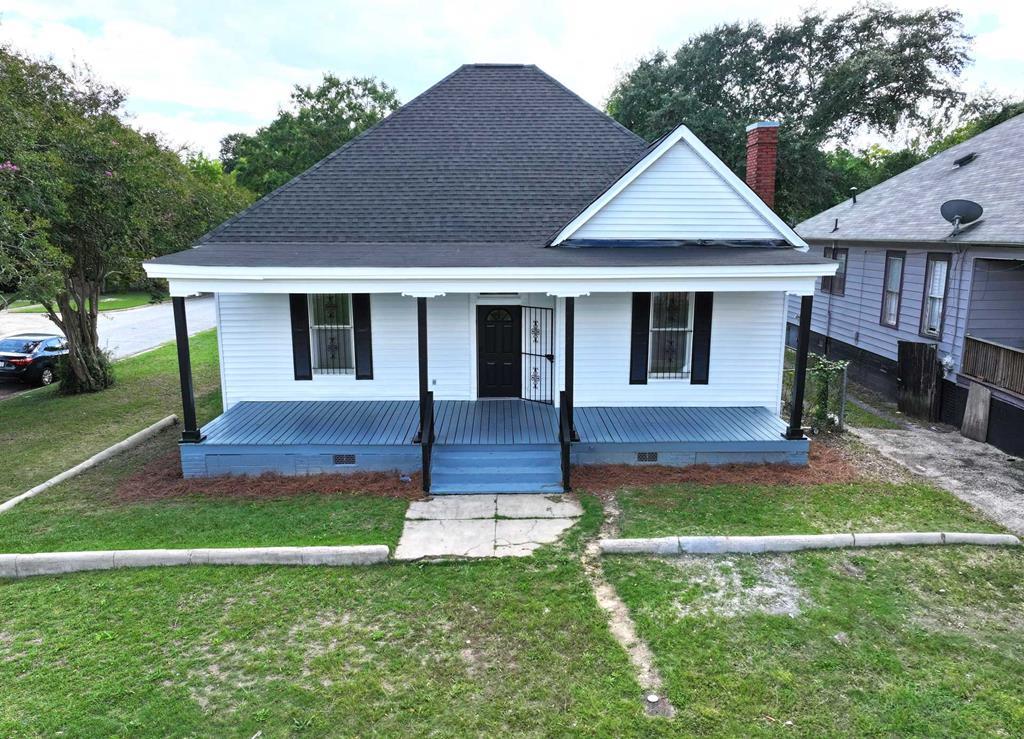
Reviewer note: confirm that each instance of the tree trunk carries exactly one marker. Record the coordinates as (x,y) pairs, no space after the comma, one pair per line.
(87,367)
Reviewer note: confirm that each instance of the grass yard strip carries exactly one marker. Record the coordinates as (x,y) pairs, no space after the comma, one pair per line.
(43,433)
(922,642)
(114,301)
(748,510)
(861,417)
(85,513)
(489,647)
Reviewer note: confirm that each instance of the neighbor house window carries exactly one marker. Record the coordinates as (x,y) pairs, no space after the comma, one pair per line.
(331,334)
(892,288)
(835,285)
(936,280)
(671,334)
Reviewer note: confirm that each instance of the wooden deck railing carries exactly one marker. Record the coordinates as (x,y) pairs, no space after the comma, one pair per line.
(994,363)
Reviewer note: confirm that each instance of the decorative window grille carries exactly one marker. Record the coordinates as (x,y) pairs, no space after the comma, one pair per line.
(934,294)
(892,289)
(331,334)
(671,335)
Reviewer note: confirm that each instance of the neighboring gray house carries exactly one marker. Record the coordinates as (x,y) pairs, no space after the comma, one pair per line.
(905,276)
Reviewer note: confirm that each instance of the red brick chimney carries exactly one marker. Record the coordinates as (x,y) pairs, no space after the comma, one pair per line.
(762,153)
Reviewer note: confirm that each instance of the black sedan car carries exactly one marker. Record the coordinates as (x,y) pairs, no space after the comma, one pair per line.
(31,358)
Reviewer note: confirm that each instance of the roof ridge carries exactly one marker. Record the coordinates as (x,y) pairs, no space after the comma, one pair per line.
(276,191)
(604,116)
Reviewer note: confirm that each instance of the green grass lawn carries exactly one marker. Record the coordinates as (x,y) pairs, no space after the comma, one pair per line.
(800,509)
(913,642)
(43,433)
(84,513)
(490,647)
(114,301)
(862,417)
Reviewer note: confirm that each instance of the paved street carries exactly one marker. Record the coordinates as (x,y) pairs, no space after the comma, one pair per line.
(123,332)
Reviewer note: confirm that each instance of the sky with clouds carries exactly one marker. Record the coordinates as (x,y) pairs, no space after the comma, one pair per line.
(196,70)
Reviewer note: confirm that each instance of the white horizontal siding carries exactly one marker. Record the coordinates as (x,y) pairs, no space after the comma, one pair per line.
(747,335)
(746,340)
(256,351)
(677,197)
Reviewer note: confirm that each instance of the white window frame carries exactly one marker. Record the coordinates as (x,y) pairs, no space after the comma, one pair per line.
(931,260)
(684,374)
(887,293)
(315,345)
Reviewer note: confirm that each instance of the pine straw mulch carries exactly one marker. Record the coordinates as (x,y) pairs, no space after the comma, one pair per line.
(826,463)
(160,479)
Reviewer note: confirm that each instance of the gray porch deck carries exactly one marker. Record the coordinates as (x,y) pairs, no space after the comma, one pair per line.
(490,422)
(329,436)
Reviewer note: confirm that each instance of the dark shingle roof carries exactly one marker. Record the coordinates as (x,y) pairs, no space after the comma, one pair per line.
(490,153)
(482,169)
(906,207)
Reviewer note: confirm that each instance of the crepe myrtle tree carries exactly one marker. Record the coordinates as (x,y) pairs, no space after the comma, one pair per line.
(84,197)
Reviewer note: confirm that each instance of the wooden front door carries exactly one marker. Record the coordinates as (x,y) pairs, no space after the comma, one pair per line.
(499,351)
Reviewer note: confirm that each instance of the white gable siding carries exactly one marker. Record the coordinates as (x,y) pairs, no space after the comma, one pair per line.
(747,334)
(678,197)
(256,351)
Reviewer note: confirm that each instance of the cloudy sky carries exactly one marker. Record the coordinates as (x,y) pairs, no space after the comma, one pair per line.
(196,70)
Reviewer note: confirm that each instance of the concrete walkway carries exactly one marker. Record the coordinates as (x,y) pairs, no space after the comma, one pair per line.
(484,525)
(979,474)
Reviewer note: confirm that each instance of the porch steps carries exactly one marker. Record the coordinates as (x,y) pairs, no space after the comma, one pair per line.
(496,469)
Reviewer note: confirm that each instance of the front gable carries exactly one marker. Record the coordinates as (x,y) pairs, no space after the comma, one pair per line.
(679,191)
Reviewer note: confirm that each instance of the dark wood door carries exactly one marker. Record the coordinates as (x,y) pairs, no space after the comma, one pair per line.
(499,351)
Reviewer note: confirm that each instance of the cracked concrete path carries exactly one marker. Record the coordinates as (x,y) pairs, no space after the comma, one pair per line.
(484,525)
(979,474)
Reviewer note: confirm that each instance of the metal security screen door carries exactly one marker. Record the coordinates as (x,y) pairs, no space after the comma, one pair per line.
(538,355)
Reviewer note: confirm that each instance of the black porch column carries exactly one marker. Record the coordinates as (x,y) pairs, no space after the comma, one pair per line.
(796,414)
(570,354)
(190,432)
(421,333)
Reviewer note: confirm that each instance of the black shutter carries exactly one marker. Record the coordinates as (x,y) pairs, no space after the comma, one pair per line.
(301,357)
(363,336)
(640,337)
(700,361)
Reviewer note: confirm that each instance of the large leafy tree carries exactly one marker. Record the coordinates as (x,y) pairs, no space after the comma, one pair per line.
(319,120)
(85,198)
(826,78)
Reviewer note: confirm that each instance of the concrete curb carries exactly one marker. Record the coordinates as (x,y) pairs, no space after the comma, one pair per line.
(56,563)
(795,542)
(133,440)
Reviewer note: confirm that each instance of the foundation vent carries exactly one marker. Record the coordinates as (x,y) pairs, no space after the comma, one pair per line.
(344,459)
(647,457)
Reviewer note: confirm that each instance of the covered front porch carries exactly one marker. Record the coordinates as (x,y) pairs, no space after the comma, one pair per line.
(516,440)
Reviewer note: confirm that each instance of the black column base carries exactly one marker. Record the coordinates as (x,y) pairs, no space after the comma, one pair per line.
(192,437)
(794,434)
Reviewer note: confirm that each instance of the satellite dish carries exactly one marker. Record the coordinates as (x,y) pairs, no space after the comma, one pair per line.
(960,213)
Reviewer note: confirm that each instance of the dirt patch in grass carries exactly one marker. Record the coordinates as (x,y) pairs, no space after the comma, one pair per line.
(729,587)
(160,479)
(826,464)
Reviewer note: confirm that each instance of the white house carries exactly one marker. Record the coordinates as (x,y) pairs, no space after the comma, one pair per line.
(494,282)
